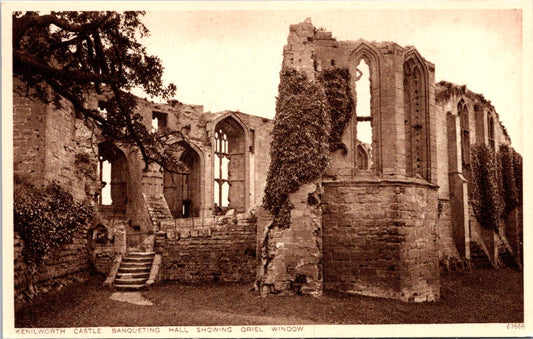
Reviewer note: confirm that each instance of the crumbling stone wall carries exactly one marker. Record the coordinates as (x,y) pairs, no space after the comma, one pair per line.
(61,267)
(471,240)
(291,258)
(379,222)
(51,144)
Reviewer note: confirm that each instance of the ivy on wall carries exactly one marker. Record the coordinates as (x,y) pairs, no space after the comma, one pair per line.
(510,163)
(299,151)
(311,117)
(336,82)
(46,218)
(496,183)
(486,187)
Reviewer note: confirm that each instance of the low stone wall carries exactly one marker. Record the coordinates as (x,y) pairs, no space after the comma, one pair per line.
(219,249)
(62,266)
(380,239)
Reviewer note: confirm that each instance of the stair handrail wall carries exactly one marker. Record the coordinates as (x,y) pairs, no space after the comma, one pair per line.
(114,270)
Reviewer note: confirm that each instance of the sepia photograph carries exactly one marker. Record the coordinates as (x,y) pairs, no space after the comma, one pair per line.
(265,169)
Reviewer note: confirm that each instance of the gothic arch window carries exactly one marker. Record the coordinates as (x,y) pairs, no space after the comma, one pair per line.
(416,118)
(229,165)
(363,116)
(113,175)
(462,111)
(182,190)
(364,70)
(363,157)
(490,126)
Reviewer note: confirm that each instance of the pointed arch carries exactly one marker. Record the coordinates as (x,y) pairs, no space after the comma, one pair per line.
(416,115)
(490,131)
(363,156)
(372,57)
(230,163)
(462,112)
(182,191)
(113,176)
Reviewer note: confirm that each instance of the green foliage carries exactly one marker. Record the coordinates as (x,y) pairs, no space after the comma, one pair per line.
(299,151)
(336,82)
(486,187)
(511,175)
(46,218)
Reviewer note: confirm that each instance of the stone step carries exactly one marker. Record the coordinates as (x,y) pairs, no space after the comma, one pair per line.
(130,281)
(134,269)
(129,287)
(138,258)
(133,275)
(140,254)
(136,264)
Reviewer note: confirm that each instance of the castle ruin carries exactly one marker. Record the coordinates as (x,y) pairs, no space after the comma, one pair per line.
(390,209)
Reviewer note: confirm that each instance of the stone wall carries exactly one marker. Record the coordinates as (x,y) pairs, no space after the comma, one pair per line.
(60,267)
(292,257)
(29,131)
(447,247)
(219,249)
(51,144)
(470,239)
(380,239)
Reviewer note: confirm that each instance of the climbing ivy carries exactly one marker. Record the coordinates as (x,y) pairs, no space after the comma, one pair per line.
(486,187)
(46,218)
(299,151)
(511,176)
(336,82)
(518,175)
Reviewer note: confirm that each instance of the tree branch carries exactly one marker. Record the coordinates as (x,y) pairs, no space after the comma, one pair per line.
(23,61)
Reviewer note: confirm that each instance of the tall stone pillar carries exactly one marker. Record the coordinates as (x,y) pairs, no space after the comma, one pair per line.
(458,188)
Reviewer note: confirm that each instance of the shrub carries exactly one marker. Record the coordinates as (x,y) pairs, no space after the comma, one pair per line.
(46,218)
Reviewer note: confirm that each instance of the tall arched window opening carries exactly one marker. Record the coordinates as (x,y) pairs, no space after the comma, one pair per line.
(182,190)
(221,169)
(229,166)
(490,126)
(363,116)
(113,173)
(416,120)
(105,180)
(462,111)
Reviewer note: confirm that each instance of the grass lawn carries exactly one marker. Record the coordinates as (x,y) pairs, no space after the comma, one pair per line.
(480,296)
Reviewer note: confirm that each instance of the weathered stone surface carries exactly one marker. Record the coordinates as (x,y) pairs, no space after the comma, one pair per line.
(380,248)
(292,257)
(223,250)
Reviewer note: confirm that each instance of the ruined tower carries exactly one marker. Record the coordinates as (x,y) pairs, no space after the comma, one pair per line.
(378,226)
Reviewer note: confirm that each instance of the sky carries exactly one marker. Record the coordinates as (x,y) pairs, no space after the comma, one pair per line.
(230,59)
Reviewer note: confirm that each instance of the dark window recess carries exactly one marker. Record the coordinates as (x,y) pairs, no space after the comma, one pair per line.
(159,121)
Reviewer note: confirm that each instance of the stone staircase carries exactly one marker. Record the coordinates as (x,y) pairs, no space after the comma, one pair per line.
(134,271)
